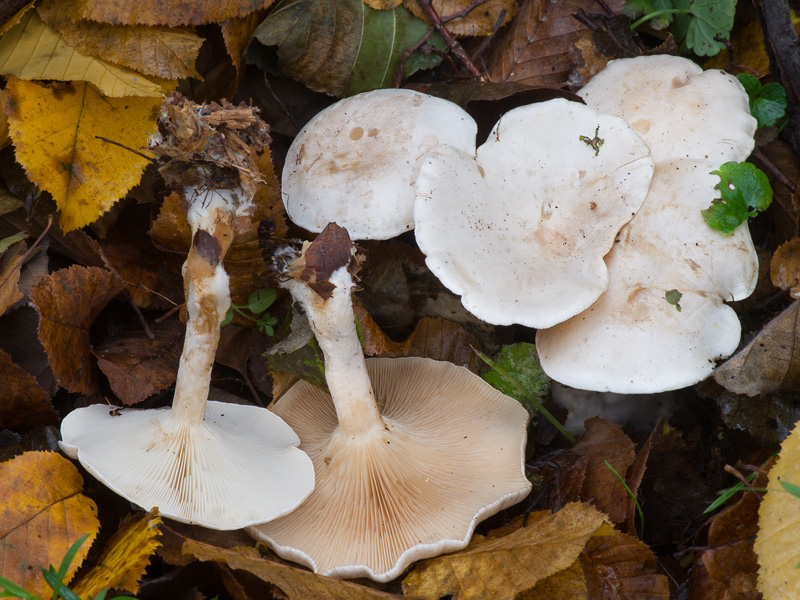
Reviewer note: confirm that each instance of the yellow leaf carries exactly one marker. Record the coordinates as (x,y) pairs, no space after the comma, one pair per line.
(124,558)
(56,129)
(777,544)
(42,514)
(31,50)
(483,21)
(567,584)
(165,52)
(16,18)
(502,567)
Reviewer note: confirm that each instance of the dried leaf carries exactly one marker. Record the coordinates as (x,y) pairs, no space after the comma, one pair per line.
(5,140)
(784,268)
(23,403)
(562,473)
(748,50)
(237,33)
(605,441)
(769,362)
(68,302)
(167,53)
(567,584)
(483,20)
(56,130)
(124,558)
(31,50)
(547,47)
(10,267)
(154,12)
(138,367)
(442,339)
(777,544)
(499,568)
(43,514)
(340,47)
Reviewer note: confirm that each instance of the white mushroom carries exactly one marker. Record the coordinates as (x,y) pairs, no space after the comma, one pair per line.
(355,162)
(520,230)
(679,110)
(219,465)
(410,453)
(633,340)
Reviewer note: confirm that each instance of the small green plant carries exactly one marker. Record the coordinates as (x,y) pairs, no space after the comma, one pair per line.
(55,580)
(696,24)
(639,510)
(674,297)
(767,102)
(745,191)
(258,303)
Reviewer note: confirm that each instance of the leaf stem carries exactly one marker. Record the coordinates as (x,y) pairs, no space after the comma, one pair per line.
(658,13)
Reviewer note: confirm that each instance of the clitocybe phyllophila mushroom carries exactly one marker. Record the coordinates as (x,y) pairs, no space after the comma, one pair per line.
(355,162)
(224,466)
(410,453)
(520,229)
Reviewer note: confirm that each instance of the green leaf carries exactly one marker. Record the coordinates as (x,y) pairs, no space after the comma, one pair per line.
(767,103)
(522,362)
(228,317)
(261,300)
(745,191)
(674,297)
(11,240)
(700,21)
(636,9)
(341,47)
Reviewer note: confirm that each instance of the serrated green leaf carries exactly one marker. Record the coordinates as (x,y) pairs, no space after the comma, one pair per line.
(745,191)
(521,361)
(701,21)
(767,103)
(341,47)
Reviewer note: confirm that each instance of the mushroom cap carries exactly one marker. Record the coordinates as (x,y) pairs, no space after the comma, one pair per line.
(355,162)
(451,454)
(239,467)
(632,340)
(520,231)
(679,110)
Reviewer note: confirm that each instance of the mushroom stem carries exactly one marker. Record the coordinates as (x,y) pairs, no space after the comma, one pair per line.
(333,324)
(207,301)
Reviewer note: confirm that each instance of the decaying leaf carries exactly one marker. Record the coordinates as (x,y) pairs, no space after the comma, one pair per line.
(482,20)
(547,47)
(237,33)
(23,403)
(605,441)
(124,558)
(566,584)
(10,265)
(56,130)
(31,50)
(68,302)
(748,51)
(501,567)
(770,362)
(154,12)
(784,268)
(167,53)
(43,514)
(138,367)
(5,140)
(340,47)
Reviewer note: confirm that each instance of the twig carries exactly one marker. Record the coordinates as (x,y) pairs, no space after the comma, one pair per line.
(401,68)
(776,172)
(485,43)
(464,12)
(455,47)
(99,137)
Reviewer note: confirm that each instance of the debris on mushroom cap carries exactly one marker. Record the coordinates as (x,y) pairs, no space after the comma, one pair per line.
(239,467)
(355,162)
(520,231)
(402,482)
(633,339)
(679,110)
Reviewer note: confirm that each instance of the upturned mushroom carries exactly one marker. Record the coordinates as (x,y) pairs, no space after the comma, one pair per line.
(355,162)
(224,466)
(519,229)
(410,453)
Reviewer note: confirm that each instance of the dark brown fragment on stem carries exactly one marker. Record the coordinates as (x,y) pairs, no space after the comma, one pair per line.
(207,247)
(331,250)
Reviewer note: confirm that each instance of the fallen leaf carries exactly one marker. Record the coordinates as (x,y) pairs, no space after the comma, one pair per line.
(56,130)
(747,51)
(769,363)
(124,558)
(562,473)
(340,47)
(164,52)
(154,12)
(501,567)
(5,140)
(237,33)
(567,584)
(68,302)
(605,441)
(442,339)
(784,268)
(23,403)
(547,47)
(481,20)
(777,544)
(138,265)
(10,267)
(138,367)
(43,514)
(785,213)
(31,50)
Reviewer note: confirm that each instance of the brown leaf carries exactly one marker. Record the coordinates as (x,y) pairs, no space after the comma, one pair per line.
(567,584)
(68,302)
(770,362)
(441,339)
(501,567)
(636,473)
(547,47)
(138,367)
(10,267)
(784,213)
(620,566)
(137,263)
(480,21)
(154,12)
(23,403)
(237,33)
(43,513)
(605,441)
(784,268)
(563,472)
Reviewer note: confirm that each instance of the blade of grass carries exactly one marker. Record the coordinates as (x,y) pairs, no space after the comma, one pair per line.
(632,495)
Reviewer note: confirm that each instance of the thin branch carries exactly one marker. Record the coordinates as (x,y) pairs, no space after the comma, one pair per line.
(455,47)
